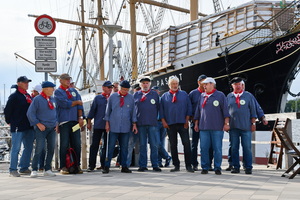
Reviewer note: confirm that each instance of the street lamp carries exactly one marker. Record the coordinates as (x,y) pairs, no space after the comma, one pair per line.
(110,30)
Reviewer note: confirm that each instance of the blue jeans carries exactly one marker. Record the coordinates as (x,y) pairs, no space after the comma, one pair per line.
(68,138)
(148,133)
(41,163)
(17,138)
(133,139)
(44,139)
(210,139)
(123,142)
(94,148)
(235,135)
(162,153)
(173,131)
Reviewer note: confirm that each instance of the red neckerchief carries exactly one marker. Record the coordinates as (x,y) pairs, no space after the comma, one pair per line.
(237,98)
(122,98)
(27,96)
(206,97)
(48,99)
(144,95)
(105,95)
(201,91)
(67,91)
(174,99)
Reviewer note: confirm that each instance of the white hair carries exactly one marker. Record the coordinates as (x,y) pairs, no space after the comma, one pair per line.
(173,78)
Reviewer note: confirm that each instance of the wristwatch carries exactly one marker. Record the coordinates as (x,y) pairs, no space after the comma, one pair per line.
(253,124)
(81,117)
(227,124)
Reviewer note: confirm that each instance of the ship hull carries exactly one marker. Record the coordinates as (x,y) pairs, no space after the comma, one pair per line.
(268,69)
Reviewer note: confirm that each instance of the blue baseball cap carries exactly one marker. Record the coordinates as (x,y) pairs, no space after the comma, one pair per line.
(107,84)
(125,84)
(23,79)
(202,77)
(47,84)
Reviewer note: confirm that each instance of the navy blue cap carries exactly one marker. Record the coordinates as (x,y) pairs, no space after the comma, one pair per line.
(125,84)
(47,84)
(155,88)
(236,80)
(107,84)
(202,77)
(145,79)
(23,79)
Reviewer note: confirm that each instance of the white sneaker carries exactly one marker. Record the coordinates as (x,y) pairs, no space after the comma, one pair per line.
(33,174)
(49,173)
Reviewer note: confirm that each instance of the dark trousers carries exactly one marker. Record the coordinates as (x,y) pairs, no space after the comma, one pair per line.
(184,135)
(97,135)
(68,138)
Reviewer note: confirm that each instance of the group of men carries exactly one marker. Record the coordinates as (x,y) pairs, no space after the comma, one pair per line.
(120,117)
(38,118)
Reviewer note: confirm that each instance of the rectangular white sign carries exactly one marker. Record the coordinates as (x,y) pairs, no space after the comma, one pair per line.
(44,42)
(45,66)
(45,54)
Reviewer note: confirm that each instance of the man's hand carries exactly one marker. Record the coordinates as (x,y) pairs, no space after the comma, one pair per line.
(196,127)
(164,123)
(107,128)
(134,129)
(226,127)
(80,121)
(41,126)
(89,125)
(57,129)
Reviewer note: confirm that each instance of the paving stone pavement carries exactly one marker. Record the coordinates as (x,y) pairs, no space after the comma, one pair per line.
(264,183)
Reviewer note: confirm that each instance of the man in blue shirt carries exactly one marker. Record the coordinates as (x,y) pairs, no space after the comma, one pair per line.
(194,97)
(175,111)
(242,110)
(147,107)
(42,115)
(162,153)
(21,131)
(69,113)
(120,117)
(212,119)
(97,112)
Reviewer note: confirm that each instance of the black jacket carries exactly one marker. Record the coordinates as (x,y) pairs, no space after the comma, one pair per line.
(15,112)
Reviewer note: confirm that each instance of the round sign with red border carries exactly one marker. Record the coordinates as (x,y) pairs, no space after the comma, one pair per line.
(44,25)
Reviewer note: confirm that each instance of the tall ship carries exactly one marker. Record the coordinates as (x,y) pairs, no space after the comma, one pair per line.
(258,41)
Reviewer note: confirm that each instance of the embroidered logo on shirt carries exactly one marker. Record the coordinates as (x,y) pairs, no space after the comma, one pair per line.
(242,102)
(216,103)
(73,94)
(152,101)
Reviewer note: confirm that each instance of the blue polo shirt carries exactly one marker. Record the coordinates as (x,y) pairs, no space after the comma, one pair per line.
(241,117)
(120,118)
(146,111)
(212,116)
(39,112)
(97,111)
(194,97)
(176,112)
(259,111)
(64,109)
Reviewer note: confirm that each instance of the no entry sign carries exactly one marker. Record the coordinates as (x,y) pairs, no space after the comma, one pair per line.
(44,25)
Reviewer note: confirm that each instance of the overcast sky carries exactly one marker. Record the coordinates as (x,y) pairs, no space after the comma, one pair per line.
(17,36)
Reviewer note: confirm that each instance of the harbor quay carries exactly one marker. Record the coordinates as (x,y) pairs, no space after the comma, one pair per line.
(263,183)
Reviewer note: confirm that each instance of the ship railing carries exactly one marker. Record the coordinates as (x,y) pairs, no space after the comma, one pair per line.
(254,22)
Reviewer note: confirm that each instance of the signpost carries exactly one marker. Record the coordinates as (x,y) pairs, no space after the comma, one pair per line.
(45,51)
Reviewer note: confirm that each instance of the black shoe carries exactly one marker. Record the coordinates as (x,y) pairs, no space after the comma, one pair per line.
(160,165)
(229,168)
(204,171)
(125,170)
(105,170)
(190,169)
(142,169)
(248,171)
(168,161)
(235,171)
(218,172)
(90,170)
(156,169)
(195,168)
(211,169)
(176,169)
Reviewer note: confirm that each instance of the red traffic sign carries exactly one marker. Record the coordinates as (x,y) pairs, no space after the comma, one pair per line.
(44,25)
